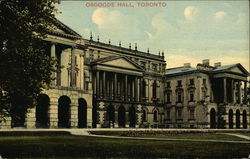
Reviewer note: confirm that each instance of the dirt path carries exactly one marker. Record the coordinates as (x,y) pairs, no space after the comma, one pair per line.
(85,132)
(238,135)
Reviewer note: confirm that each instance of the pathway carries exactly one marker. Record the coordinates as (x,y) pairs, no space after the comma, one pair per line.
(85,132)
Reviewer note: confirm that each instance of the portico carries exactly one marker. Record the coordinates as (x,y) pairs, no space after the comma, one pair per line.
(117,83)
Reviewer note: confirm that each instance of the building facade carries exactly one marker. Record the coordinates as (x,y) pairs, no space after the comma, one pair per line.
(207,96)
(104,85)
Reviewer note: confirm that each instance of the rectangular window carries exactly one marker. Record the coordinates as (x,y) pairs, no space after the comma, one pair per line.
(168,114)
(179,83)
(204,82)
(86,85)
(191,114)
(143,64)
(204,94)
(168,97)
(191,81)
(191,96)
(168,85)
(179,97)
(154,67)
(179,114)
(76,60)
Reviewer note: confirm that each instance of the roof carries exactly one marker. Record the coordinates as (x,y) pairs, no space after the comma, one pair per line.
(225,67)
(216,70)
(67,30)
(179,70)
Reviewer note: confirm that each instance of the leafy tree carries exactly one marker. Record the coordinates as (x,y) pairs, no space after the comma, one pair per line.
(25,62)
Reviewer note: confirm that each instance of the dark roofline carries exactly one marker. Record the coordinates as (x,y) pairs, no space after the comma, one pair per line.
(64,26)
(124,50)
(233,65)
(210,72)
(176,68)
(185,73)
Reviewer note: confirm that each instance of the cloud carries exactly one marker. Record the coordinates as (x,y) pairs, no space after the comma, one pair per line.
(104,17)
(191,12)
(219,16)
(115,25)
(243,19)
(150,36)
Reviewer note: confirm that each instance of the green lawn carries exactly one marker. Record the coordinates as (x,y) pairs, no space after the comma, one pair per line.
(63,145)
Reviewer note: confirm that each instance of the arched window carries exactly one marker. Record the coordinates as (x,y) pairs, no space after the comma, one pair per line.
(244,114)
(237,119)
(212,118)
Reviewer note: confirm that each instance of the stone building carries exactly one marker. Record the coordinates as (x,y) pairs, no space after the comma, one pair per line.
(103,85)
(97,85)
(206,96)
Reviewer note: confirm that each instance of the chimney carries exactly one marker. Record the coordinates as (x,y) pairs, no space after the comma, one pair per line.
(187,65)
(205,62)
(217,64)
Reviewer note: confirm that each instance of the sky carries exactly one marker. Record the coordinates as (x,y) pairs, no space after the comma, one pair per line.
(187,31)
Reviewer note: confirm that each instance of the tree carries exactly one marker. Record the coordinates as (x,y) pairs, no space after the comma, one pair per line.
(25,62)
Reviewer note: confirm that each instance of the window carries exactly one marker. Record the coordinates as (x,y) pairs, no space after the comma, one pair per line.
(179,97)
(76,60)
(154,67)
(154,89)
(204,82)
(191,81)
(168,85)
(191,114)
(168,100)
(168,114)
(144,115)
(143,88)
(86,85)
(204,94)
(179,114)
(155,115)
(191,96)
(179,83)
(143,64)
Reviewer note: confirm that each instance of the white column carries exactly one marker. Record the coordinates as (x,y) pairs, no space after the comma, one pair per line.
(239,93)
(53,55)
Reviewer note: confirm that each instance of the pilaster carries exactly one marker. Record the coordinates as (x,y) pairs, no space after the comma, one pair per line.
(53,115)
(31,118)
(73,116)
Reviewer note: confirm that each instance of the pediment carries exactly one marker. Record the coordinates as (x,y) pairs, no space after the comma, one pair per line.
(118,62)
(239,69)
(121,62)
(236,70)
(60,28)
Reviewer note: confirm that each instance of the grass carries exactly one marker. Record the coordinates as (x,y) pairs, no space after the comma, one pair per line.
(63,145)
(150,134)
